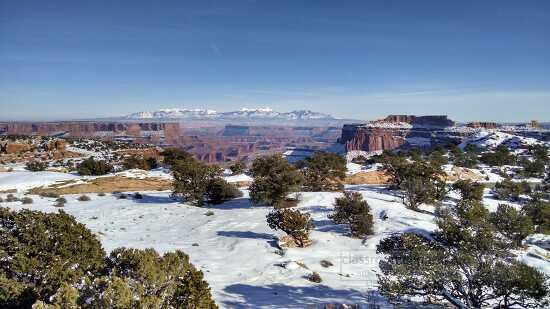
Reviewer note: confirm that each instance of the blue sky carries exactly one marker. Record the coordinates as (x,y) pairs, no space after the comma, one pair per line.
(472,60)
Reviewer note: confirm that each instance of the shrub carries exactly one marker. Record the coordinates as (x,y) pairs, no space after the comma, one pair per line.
(533,168)
(324,171)
(52,261)
(171,155)
(510,190)
(140,163)
(60,202)
(438,157)
(192,179)
(419,182)
(274,179)
(92,167)
(138,196)
(466,257)
(122,196)
(500,156)
(314,277)
(11,198)
(36,166)
(101,194)
(539,213)
(218,191)
(511,223)
(238,168)
(469,190)
(84,198)
(294,223)
(326,264)
(49,194)
(539,152)
(144,279)
(352,210)
(40,252)
(26,200)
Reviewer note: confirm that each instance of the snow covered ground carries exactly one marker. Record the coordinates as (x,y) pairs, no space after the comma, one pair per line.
(237,251)
(24,180)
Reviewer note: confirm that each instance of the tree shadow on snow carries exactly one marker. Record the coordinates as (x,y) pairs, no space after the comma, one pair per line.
(153,199)
(272,240)
(284,296)
(238,203)
(329,226)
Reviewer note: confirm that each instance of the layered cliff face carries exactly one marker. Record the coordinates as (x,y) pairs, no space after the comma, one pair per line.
(398,131)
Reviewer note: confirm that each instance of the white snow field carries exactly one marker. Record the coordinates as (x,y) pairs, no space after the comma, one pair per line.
(237,251)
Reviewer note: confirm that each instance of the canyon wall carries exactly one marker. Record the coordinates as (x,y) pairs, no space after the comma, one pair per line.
(398,131)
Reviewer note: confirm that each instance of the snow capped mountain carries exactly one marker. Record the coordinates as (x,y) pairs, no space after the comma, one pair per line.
(242,114)
(174,113)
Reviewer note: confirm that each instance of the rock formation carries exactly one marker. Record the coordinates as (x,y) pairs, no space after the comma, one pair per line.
(398,131)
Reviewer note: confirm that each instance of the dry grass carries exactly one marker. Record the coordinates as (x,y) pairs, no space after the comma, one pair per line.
(106,185)
(367,178)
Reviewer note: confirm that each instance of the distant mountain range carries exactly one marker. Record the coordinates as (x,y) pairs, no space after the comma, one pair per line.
(242,114)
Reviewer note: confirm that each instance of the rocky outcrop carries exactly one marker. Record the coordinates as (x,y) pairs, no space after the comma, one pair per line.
(432,120)
(357,137)
(398,131)
(483,125)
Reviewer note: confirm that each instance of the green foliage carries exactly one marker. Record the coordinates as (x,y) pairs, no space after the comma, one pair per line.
(36,166)
(143,279)
(84,198)
(51,261)
(419,181)
(94,167)
(41,251)
(510,190)
(352,210)
(238,168)
(192,179)
(539,213)
(274,179)
(324,171)
(469,190)
(438,157)
(26,200)
(464,262)
(296,224)
(539,152)
(172,155)
(533,168)
(466,159)
(512,224)
(219,191)
(500,156)
(140,163)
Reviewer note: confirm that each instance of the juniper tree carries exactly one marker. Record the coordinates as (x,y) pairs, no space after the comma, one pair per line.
(324,171)
(192,179)
(512,224)
(291,221)
(274,179)
(352,210)
(469,190)
(464,262)
(94,167)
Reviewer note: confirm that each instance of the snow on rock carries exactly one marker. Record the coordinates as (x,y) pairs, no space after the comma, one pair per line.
(493,138)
